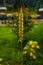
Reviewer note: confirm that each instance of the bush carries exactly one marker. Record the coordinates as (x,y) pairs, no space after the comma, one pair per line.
(36,34)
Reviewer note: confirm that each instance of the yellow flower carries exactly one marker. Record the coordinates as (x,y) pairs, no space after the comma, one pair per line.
(34,57)
(30,42)
(32,46)
(31,54)
(25,48)
(32,50)
(38,47)
(24,52)
(36,42)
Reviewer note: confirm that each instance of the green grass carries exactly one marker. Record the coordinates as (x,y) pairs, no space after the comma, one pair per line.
(6,32)
(8,43)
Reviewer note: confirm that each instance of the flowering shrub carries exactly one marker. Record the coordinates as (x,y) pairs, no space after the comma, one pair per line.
(30,48)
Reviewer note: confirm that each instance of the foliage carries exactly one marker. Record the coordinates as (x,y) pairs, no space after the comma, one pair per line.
(28,24)
(29,3)
(30,48)
(9,48)
(36,33)
(31,53)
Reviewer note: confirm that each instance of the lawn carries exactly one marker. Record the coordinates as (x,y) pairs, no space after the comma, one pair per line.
(8,46)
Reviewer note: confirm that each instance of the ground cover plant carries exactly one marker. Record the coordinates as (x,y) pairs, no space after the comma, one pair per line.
(9,53)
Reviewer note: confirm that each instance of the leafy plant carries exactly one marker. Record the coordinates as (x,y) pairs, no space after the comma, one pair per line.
(30,48)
